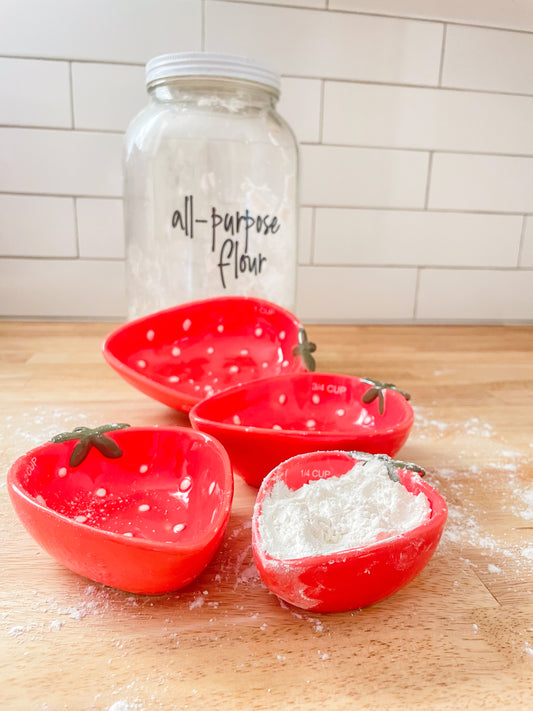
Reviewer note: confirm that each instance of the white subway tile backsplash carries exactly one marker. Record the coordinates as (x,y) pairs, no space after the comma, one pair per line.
(481,58)
(107,96)
(363,177)
(517,14)
(35,93)
(300,106)
(438,119)
(100,228)
(118,31)
(339,294)
(416,179)
(37,226)
(305,237)
(475,295)
(313,43)
(62,287)
(526,256)
(481,182)
(405,237)
(60,162)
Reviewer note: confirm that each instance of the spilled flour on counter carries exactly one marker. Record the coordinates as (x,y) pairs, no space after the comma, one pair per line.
(336,514)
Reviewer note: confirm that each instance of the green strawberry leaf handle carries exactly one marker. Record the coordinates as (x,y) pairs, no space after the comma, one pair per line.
(89,438)
(392,465)
(377,391)
(304,349)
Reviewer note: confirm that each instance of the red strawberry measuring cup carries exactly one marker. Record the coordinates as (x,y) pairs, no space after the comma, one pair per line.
(140,509)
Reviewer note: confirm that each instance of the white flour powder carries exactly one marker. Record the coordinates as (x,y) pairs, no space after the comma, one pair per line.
(338,513)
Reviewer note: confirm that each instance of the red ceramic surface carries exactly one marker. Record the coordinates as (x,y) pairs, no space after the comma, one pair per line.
(354,578)
(184,354)
(262,423)
(147,522)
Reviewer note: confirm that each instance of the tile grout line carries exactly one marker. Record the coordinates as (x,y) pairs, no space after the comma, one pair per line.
(412,208)
(313,265)
(522,241)
(416,294)
(321,113)
(428,181)
(313,235)
(202,28)
(71,97)
(291,75)
(316,206)
(424,265)
(57,258)
(76,227)
(311,144)
(61,196)
(442,54)
(71,129)
(445,151)
(377,15)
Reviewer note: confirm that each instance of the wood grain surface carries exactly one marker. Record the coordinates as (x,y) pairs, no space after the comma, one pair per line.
(460,636)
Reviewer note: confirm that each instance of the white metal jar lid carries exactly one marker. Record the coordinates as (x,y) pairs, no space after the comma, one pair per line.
(207,64)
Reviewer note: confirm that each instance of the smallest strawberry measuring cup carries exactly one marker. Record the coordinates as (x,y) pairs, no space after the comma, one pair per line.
(337,531)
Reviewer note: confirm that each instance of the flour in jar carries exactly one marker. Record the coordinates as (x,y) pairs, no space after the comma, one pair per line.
(338,513)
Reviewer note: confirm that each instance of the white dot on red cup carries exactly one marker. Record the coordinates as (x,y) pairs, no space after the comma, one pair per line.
(277,427)
(62,472)
(143,468)
(234,369)
(316,399)
(211,487)
(141,363)
(282,335)
(144,507)
(80,519)
(310,423)
(150,335)
(176,351)
(100,492)
(258,331)
(178,527)
(282,399)
(236,420)
(220,328)
(340,412)
(187,324)
(210,350)
(129,534)
(185,484)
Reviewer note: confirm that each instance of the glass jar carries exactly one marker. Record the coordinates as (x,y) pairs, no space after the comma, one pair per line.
(211,181)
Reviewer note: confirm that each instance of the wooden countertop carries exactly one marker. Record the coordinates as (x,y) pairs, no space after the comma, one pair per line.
(460,636)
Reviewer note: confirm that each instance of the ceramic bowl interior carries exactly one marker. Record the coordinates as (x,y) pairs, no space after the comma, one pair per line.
(354,578)
(184,354)
(261,423)
(147,521)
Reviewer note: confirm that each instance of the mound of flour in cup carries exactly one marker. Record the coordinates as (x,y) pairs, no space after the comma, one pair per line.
(336,514)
